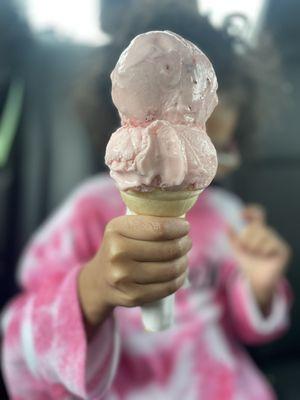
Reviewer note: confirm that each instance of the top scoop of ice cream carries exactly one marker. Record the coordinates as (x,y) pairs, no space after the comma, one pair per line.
(161,156)
(161,76)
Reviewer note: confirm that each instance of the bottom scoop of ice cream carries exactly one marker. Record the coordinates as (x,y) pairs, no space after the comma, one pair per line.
(161,156)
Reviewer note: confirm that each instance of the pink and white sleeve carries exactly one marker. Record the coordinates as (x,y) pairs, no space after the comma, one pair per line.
(248,321)
(45,348)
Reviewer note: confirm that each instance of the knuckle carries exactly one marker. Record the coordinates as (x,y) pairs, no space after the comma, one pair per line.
(117,275)
(131,300)
(117,249)
(110,227)
(114,252)
(118,224)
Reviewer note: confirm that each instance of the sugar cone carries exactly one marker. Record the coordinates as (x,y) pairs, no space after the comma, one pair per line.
(159,315)
(160,203)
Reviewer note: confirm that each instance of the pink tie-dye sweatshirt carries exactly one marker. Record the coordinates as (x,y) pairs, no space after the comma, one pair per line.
(45,351)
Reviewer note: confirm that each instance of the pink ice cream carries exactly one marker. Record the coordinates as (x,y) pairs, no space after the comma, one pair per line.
(161,155)
(165,90)
(163,76)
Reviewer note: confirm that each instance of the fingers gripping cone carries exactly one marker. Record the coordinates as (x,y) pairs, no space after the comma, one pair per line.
(159,315)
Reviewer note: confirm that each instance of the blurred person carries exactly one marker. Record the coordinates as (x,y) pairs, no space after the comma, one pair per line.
(75,330)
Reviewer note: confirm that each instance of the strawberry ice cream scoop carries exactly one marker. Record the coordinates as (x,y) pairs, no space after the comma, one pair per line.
(161,156)
(161,76)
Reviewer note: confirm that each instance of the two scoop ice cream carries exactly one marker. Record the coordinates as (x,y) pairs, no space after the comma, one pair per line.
(165,89)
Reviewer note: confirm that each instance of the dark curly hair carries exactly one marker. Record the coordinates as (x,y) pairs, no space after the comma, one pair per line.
(241,71)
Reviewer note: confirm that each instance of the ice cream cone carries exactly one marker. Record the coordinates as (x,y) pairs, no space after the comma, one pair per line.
(164,88)
(160,203)
(159,315)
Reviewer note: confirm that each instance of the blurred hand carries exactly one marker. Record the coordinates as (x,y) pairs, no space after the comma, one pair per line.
(141,259)
(261,253)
